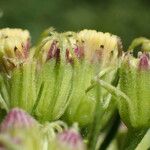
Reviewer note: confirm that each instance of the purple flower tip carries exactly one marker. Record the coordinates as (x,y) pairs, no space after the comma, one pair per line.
(17,118)
(72,139)
(144,62)
(79,51)
(54,51)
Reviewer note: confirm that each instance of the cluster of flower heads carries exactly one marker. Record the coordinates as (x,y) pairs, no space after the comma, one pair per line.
(51,79)
(88,44)
(66,76)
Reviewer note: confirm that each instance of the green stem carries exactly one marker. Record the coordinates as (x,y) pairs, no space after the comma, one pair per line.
(114,91)
(133,138)
(100,75)
(111,133)
(97,125)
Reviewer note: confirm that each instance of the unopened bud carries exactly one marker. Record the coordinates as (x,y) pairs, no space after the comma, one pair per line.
(15,119)
(69,140)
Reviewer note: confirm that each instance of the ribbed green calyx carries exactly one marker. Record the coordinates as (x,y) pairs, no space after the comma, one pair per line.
(23,86)
(135,83)
(19,87)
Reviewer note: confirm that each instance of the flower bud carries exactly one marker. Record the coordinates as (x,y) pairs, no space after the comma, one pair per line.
(54,76)
(17,118)
(69,140)
(20,130)
(135,83)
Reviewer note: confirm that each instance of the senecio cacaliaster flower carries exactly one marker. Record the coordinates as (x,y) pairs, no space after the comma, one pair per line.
(69,139)
(17,69)
(14,47)
(97,51)
(135,83)
(20,131)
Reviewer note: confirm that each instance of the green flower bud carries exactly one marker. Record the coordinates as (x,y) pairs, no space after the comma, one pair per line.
(54,78)
(134,82)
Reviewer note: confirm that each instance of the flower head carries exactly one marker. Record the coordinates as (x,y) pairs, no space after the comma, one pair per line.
(99,47)
(135,83)
(20,130)
(14,47)
(95,51)
(17,118)
(69,140)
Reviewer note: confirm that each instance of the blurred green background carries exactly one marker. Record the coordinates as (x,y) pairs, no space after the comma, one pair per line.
(126,18)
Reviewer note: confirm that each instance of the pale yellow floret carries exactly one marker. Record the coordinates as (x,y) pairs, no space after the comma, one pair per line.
(23,35)
(104,43)
(12,40)
(9,45)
